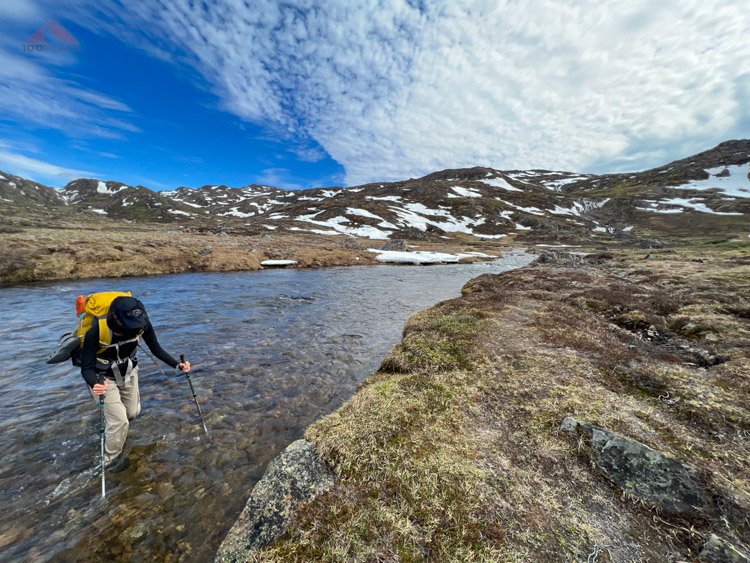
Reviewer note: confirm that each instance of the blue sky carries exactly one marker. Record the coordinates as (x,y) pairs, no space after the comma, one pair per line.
(174,92)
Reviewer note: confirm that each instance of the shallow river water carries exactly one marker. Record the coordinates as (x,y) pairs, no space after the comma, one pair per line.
(272,351)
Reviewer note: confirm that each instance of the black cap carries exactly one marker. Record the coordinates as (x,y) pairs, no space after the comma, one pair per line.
(129,313)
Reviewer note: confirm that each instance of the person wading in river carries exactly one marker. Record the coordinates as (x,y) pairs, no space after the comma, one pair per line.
(112,370)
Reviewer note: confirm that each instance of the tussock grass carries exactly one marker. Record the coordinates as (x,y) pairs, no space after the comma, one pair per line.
(435,342)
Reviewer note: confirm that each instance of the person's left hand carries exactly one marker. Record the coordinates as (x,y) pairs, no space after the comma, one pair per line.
(184,366)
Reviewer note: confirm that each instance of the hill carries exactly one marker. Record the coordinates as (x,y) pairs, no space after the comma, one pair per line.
(699,198)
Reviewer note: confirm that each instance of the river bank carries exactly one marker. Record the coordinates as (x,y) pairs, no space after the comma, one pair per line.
(580,408)
(272,352)
(104,250)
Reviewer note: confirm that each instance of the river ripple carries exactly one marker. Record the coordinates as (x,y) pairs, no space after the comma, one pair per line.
(273,351)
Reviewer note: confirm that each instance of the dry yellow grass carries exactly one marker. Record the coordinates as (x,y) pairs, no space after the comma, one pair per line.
(115,249)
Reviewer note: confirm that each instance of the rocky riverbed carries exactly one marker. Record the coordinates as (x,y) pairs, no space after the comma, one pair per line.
(584,408)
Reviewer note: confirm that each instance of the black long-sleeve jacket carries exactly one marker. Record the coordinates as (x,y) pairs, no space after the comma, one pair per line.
(89,368)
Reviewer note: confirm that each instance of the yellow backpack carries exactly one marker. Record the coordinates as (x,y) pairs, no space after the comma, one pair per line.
(96,307)
(88,309)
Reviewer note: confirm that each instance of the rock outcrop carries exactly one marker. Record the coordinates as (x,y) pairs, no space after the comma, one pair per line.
(645,473)
(295,476)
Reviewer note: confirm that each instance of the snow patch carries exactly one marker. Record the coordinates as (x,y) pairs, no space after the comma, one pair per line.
(364,213)
(416,258)
(696,205)
(575,210)
(416,220)
(736,184)
(466,192)
(101,188)
(557,246)
(664,211)
(234,212)
(532,210)
(395,198)
(557,184)
(337,224)
(188,203)
(501,183)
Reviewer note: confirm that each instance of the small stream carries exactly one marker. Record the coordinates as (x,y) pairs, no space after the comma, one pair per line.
(272,351)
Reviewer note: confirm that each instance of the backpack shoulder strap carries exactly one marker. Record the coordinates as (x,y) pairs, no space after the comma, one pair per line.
(105,334)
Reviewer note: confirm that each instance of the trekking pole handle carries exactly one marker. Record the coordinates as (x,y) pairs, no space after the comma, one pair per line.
(182,358)
(100,380)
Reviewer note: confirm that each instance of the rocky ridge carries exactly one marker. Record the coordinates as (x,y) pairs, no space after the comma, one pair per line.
(708,193)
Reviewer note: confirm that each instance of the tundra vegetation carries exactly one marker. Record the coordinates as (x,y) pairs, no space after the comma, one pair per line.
(453,450)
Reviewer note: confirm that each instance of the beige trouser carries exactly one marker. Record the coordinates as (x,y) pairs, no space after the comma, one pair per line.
(121,405)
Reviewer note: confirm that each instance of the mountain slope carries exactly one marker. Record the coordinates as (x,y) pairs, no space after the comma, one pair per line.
(19,191)
(702,195)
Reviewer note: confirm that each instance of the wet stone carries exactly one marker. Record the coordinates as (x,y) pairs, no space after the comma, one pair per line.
(296,475)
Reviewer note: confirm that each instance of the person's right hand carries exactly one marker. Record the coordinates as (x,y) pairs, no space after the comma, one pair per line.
(100,388)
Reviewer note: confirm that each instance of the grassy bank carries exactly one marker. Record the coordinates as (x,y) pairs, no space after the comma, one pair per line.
(452,450)
(39,254)
(117,249)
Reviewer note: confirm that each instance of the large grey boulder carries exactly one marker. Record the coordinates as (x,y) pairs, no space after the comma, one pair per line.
(295,476)
(645,473)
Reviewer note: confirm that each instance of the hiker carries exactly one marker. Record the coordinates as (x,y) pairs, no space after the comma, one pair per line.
(110,367)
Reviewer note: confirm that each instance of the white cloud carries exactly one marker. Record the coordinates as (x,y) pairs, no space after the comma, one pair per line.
(392,89)
(19,10)
(32,168)
(34,90)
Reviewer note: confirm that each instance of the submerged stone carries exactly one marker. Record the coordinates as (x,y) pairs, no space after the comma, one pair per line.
(296,475)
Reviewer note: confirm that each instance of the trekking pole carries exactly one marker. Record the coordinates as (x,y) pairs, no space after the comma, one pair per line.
(101,436)
(200,414)
(182,361)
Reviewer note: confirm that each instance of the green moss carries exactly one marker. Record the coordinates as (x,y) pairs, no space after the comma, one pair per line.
(436,341)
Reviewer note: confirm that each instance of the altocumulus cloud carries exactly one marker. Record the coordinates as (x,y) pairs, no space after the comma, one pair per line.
(396,88)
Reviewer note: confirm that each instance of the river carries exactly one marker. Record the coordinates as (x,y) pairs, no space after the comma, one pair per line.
(272,351)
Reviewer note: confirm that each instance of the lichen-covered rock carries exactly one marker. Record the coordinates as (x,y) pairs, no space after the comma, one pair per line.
(718,550)
(645,473)
(296,475)
(397,244)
